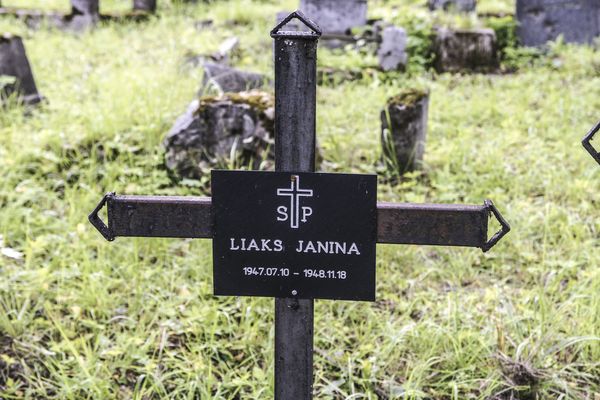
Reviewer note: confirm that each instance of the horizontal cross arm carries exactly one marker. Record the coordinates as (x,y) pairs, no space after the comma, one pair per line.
(155,216)
(438,224)
(397,223)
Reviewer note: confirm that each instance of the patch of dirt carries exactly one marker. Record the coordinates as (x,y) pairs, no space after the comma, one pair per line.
(10,367)
(522,376)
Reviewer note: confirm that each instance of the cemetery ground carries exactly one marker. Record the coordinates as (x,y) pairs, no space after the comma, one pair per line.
(137,319)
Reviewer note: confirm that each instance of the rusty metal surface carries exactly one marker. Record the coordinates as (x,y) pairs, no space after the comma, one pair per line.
(191,217)
(432,224)
(587,143)
(152,216)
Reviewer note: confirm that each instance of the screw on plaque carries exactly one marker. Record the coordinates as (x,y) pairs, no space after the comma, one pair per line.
(313,33)
(97,222)
(586,142)
(504,226)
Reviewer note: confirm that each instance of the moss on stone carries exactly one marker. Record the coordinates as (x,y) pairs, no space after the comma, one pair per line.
(204,102)
(408,97)
(258,100)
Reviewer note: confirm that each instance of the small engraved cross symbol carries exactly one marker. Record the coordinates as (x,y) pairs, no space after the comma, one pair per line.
(293,213)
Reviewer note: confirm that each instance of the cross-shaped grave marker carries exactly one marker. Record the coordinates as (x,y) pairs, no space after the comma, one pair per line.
(266,245)
(587,143)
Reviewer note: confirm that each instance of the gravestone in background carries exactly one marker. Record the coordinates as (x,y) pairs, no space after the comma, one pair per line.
(16,71)
(449,5)
(541,21)
(84,14)
(225,79)
(144,5)
(404,130)
(465,50)
(85,7)
(336,16)
(392,50)
(215,128)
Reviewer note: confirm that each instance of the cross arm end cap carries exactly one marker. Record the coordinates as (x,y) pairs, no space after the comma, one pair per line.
(504,226)
(587,143)
(95,220)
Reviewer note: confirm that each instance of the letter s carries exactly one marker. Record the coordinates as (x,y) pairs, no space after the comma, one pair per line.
(283,214)
(278,245)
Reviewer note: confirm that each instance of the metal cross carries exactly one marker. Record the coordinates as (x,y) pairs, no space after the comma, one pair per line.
(295,137)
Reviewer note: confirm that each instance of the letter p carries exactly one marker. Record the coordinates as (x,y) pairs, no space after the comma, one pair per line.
(306,212)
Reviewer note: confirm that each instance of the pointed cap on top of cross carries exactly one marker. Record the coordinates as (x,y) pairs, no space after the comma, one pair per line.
(313,32)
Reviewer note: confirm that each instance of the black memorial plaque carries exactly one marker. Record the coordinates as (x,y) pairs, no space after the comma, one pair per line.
(297,235)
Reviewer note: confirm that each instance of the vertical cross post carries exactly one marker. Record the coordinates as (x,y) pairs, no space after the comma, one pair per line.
(295,139)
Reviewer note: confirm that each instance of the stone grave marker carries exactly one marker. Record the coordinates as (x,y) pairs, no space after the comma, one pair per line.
(16,71)
(310,241)
(337,16)
(540,21)
(214,129)
(453,5)
(404,130)
(466,50)
(587,143)
(84,14)
(85,7)
(145,5)
(392,54)
(225,79)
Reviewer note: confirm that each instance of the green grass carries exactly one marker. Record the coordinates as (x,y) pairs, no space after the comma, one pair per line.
(81,318)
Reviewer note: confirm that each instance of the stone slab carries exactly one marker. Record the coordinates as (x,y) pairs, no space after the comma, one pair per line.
(473,50)
(336,16)
(541,21)
(456,5)
(14,66)
(392,50)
